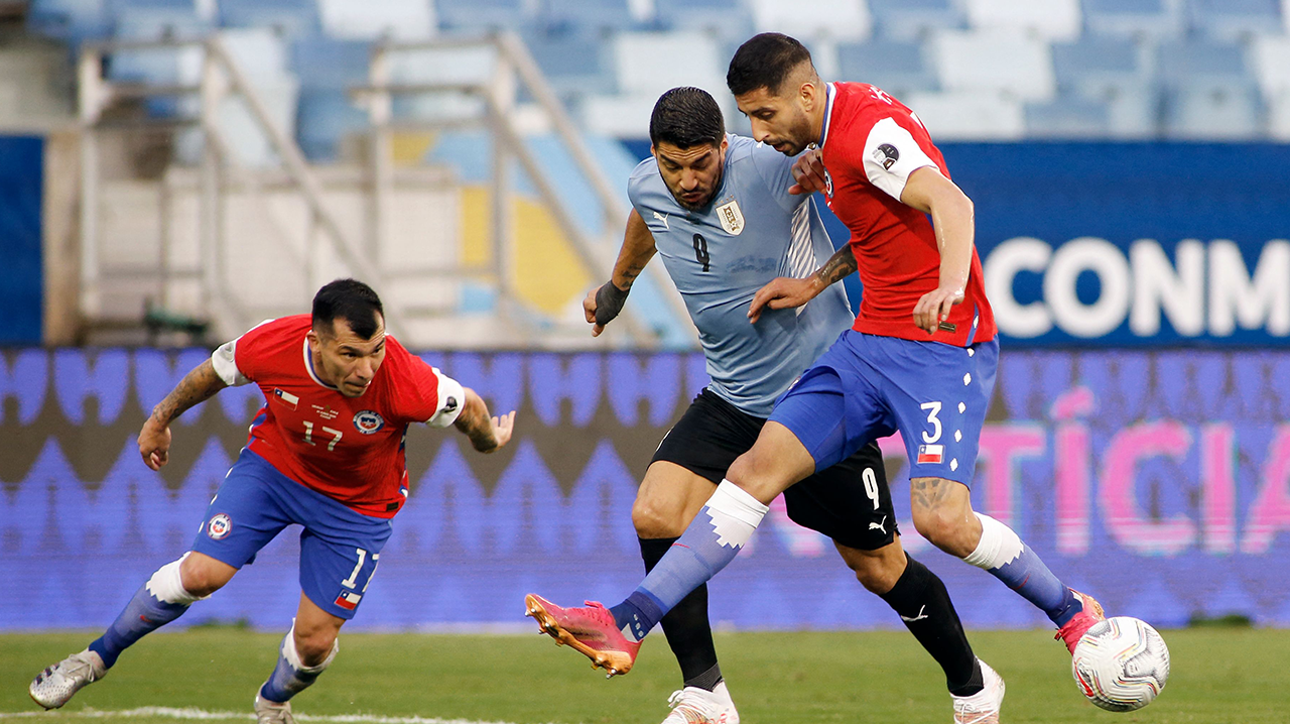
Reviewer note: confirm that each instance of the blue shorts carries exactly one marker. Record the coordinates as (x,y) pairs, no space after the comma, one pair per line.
(867,387)
(339,547)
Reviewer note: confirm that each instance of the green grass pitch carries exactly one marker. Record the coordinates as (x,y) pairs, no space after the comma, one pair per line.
(1220,675)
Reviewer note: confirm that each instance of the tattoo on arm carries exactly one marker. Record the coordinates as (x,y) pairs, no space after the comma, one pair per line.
(475,422)
(196,386)
(839,266)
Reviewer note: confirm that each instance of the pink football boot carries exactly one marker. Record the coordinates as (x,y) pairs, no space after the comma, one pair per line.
(1074,629)
(590,630)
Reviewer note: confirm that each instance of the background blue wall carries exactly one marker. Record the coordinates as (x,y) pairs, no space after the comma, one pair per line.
(21,280)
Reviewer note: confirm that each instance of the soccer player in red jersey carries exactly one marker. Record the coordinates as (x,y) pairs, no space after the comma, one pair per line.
(920,359)
(325,452)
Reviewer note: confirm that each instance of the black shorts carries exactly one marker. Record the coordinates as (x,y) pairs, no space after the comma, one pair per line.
(849,502)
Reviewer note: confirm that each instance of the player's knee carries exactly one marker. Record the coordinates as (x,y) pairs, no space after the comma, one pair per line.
(655,520)
(200,578)
(944,529)
(877,570)
(314,645)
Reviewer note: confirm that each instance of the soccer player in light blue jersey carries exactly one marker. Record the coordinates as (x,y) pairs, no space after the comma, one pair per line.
(718,210)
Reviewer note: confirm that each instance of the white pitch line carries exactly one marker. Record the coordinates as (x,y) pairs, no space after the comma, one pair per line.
(193,713)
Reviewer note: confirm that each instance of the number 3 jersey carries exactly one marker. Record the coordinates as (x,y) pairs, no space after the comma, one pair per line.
(347,448)
(719,256)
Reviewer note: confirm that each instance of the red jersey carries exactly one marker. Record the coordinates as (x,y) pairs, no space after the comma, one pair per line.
(871,143)
(347,448)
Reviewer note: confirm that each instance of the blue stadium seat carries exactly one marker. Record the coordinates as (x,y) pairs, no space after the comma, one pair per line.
(72,21)
(1133,18)
(727,20)
(482,14)
(1095,64)
(586,16)
(576,64)
(327,69)
(1235,19)
(899,68)
(1213,112)
(915,19)
(1051,19)
(806,20)
(1069,117)
(289,18)
(1188,63)
(367,20)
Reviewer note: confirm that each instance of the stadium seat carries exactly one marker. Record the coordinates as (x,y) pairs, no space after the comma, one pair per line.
(650,63)
(899,68)
(478,15)
(724,19)
(1279,116)
(1068,117)
(915,19)
(840,20)
(584,17)
(327,69)
(1271,59)
(289,18)
(1133,110)
(969,115)
(367,20)
(1234,19)
(994,61)
(1051,19)
(1188,63)
(576,64)
(1213,112)
(72,21)
(1094,65)
(1155,19)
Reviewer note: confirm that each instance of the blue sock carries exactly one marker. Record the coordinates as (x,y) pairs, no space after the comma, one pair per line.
(290,676)
(144,614)
(712,540)
(1006,557)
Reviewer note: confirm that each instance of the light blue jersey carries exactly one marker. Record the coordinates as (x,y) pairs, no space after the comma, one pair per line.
(719,256)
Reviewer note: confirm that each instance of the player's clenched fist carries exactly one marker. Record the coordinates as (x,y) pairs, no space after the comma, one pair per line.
(808,172)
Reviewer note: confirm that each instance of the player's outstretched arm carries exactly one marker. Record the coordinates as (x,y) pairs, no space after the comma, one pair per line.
(486,433)
(786,292)
(953,219)
(605,302)
(195,387)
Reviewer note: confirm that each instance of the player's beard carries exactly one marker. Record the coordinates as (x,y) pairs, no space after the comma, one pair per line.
(796,138)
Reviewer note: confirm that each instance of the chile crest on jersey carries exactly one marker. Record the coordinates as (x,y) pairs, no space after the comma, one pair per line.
(368,421)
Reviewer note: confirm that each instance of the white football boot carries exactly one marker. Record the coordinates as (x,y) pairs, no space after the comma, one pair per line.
(693,705)
(269,712)
(56,685)
(983,706)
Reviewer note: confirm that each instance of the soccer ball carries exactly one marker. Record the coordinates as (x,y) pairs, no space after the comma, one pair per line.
(1121,664)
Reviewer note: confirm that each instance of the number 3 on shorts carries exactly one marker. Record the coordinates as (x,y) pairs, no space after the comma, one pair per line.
(933,408)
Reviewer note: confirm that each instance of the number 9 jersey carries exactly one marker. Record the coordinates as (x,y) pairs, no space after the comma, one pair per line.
(347,448)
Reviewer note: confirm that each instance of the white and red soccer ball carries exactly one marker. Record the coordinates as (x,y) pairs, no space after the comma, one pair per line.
(1121,664)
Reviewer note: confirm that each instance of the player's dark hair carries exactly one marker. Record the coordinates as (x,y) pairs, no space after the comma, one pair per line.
(765,61)
(351,300)
(687,117)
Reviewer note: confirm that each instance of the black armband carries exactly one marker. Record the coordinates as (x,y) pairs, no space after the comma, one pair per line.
(609,302)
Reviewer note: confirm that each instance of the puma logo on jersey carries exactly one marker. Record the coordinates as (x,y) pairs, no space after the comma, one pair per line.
(881,525)
(663,218)
(919,617)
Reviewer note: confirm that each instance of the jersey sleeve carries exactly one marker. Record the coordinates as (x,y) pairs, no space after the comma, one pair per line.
(432,397)
(234,361)
(891,154)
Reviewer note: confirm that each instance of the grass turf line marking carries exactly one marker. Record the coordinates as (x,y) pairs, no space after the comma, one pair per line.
(193,713)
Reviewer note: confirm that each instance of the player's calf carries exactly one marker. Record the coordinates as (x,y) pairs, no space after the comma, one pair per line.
(292,675)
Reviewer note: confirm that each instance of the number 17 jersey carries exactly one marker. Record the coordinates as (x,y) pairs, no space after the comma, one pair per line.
(347,448)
